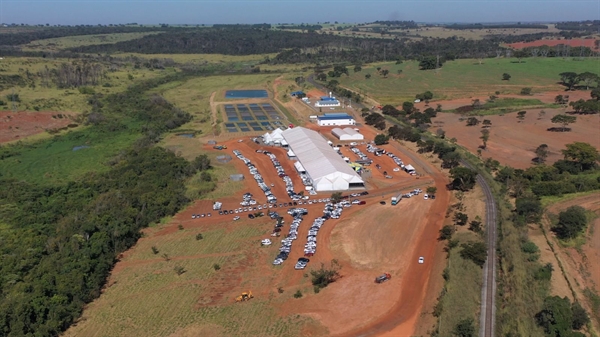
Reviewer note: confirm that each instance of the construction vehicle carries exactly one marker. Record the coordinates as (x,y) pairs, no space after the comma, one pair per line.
(396,199)
(244,297)
(383,278)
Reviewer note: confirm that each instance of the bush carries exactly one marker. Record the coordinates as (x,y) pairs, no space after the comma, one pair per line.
(544,273)
(474,251)
(529,247)
(155,250)
(526,91)
(461,218)
(298,294)
(216,266)
(87,90)
(199,236)
(464,328)
(322,277)
(446,232)
(580,316)
(180,227)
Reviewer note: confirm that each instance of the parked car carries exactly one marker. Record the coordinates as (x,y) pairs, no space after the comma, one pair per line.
(236,218)
(421,260)
(251,216)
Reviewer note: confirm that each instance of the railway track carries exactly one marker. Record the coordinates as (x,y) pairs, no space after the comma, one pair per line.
(487,317)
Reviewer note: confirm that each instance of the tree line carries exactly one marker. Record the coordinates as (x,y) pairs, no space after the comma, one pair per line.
(60,241)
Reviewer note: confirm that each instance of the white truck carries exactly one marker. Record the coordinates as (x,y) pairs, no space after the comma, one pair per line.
(396,199)
(217,206)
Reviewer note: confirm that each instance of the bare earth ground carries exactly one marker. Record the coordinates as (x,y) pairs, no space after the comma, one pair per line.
(581,266)
(590,43)
(15,126)
(512,142)
(366,242)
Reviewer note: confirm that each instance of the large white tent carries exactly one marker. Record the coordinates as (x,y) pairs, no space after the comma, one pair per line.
(274,137)
(328,171)
(347,134)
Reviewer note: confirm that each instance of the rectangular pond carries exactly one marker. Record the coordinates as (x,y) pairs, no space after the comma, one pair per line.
(237,94)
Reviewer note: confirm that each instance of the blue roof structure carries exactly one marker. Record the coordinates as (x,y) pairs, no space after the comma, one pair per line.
(327,98)
(329,117)
(296,93)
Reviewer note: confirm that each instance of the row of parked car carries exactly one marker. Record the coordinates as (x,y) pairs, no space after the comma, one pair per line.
(396,160)
(247,200)
(377,151)
(286,244)
(254,171)
(289,185)
(331,210)
(359,153)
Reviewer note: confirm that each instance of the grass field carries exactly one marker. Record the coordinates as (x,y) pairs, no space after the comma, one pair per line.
(462,78)
(507,105)
(199,302)
(462,295)
(54,160)
(82,40)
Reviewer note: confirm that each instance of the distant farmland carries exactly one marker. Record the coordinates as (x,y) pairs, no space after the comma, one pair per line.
(590,43)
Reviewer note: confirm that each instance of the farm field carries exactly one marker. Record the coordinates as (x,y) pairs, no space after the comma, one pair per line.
(201,299)
(590,43)
(462,78)
(66,42)
(579,263)
(20,125)
(512,143)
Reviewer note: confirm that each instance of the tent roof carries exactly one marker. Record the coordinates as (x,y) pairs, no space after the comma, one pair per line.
(291,153)
(318,158)
(409,167)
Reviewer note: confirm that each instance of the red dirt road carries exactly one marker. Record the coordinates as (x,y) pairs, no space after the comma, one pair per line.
(15,126)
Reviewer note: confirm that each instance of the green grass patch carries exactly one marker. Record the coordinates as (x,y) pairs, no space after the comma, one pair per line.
(55,161)
(462,78)
(507,105)
(549,200)
(462,294)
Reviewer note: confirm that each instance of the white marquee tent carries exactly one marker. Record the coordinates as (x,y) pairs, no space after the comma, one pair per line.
(274,137)
(347,134)
(328,171)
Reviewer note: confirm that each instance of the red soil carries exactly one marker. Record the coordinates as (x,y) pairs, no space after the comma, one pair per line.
(15,126)
(590,43)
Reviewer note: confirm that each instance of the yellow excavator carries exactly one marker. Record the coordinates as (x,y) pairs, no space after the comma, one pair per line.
(244,297)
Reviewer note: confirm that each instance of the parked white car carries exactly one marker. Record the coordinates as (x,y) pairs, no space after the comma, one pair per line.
(421,260)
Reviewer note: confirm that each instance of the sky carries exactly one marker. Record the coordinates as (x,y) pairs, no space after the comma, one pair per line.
(73,12)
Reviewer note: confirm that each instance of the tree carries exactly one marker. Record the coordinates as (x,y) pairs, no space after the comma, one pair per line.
(446,232)
(463,179)
(367,76)
(440,133)
(431,190)
(583,154)
(464,328)
(526,91)
(506,77)
(541,153)
(569,79)
(384,72)
(474,251)
(519,54)
(429,62)
(321,77)
(588,78)
(541,114)
(357,68)
(322,277)
(564,120)
(561,99)
(556,317)
(475,226)
(381,139)
(451,159)
(461,218)
(472,121)
(570,222)
(408,107)
(179,270)
(595,94)
(298,294)
(580,316)
(528,209)
(336,197)
(487,123)
(485,136)
(521,115)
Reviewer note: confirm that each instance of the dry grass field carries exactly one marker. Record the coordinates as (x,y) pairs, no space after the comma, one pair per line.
(61,43)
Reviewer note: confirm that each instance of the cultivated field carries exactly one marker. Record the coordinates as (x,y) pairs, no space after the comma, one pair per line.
(590,43)
(462,78)
(512,142)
